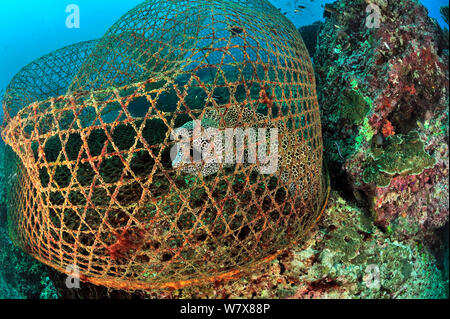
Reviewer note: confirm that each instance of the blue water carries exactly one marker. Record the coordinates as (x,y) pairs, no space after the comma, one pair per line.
(30,28)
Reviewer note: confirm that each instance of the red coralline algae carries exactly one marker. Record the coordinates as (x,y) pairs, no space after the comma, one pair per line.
(265,98)
(395,201)
(126,240)
(387,129)
(411,89)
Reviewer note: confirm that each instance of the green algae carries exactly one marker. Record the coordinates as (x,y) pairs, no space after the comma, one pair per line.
(346,242)
(373,175)
(365,133)
(354,107)
(401,155)
(351,110)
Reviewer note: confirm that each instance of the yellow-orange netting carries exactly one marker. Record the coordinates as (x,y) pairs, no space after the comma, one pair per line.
(93,182)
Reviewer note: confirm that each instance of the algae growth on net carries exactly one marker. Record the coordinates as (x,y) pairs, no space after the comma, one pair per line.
(89,129)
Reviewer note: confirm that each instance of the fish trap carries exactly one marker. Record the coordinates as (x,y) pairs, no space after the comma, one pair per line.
(94,181)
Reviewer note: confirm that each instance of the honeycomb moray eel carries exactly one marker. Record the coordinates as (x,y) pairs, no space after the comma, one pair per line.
(297,163)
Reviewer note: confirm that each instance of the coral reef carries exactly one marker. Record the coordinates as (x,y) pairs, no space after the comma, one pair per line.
(399,156)
(345,257)
(384,99)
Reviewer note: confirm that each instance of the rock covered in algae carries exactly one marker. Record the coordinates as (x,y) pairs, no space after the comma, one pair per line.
(384,96)
(353,107)
(401,155)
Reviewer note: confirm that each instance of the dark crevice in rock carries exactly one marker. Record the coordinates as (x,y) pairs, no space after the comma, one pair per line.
(310,35)
(442,252)
(339,181)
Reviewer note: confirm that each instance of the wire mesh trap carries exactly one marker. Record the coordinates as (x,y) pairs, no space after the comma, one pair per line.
(93,183)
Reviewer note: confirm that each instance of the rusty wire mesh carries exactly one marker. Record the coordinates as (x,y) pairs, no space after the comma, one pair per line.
(95,185)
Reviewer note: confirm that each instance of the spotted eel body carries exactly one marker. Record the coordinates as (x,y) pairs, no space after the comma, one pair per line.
(296,168)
